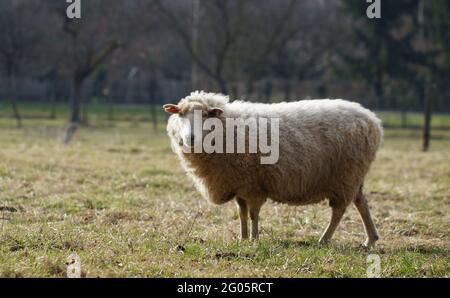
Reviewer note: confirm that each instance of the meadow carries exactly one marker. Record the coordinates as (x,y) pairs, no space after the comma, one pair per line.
(118,198)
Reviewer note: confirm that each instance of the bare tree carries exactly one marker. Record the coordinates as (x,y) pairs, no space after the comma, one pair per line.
(196,13)
(17,38)
(226,23)
(227,27)
(89,45)
(271,32)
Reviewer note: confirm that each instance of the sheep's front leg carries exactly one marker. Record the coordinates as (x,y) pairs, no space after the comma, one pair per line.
(243,215)
(255,207)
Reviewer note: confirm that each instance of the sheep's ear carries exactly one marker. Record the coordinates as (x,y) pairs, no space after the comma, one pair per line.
(215,112)
(171,109)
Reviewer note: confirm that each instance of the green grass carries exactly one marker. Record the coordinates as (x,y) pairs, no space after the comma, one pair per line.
(413,120)
(96,111)
(119,199)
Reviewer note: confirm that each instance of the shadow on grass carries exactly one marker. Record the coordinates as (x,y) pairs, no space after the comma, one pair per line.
(352,248)
(292,243)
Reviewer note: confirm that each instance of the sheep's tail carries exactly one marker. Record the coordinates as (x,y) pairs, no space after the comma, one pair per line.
(375,131)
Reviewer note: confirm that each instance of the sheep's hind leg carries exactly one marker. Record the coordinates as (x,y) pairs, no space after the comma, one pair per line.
(243,215)
(254,208)
(337,213)
(369,226)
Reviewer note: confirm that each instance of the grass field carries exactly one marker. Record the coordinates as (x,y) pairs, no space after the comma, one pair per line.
(119,199)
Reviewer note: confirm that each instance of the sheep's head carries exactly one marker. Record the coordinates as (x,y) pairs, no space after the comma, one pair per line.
(186,122)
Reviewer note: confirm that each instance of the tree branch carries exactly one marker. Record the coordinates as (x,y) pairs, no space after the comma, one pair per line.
(178,29)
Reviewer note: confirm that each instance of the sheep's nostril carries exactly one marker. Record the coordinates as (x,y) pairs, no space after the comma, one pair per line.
(180,142)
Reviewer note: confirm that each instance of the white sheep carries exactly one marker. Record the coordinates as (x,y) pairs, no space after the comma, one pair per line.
(325,151)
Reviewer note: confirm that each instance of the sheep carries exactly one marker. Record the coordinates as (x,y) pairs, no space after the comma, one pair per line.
(325,150)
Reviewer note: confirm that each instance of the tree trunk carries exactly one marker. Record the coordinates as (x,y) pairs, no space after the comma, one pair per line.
(222,85)
(379,91)
(85,111)
(235,91)
(110,109)
(427,117)
(75,101)
(153,106)
(404,119)
(52,95)
(75,111)
(13,99)
(152,91)
(287,90)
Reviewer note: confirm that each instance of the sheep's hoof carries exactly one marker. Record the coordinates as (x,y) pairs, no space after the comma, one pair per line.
(369,244)
(370,241)
(324,242)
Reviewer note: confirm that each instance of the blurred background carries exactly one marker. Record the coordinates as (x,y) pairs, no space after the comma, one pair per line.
(126,58)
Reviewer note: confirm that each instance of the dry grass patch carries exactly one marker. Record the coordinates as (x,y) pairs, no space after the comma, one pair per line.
(118,198)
